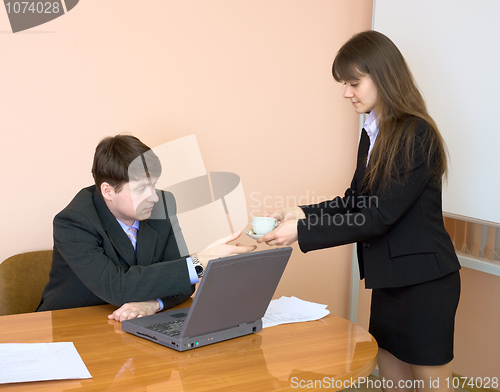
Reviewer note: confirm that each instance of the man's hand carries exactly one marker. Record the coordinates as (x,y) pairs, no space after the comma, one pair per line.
(221,248)
(133,310)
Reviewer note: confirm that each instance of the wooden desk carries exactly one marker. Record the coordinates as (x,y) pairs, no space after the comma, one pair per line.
(285,357)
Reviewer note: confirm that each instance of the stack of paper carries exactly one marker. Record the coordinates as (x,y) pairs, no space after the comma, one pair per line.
(292,310)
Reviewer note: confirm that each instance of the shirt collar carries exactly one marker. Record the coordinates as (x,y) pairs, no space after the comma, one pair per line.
(125,227)
(371,129)
(371,126)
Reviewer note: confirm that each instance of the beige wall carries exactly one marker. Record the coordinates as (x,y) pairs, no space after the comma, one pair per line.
(477,338)
(250,79)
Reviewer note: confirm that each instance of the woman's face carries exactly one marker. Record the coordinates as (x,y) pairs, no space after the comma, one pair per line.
(363,94)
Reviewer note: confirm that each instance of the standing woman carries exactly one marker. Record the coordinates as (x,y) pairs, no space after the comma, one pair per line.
(393,211)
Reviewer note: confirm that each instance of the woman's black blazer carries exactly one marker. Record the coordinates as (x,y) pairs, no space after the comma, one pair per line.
(401,239)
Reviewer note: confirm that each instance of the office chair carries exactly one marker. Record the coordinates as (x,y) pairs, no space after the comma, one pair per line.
(22,280)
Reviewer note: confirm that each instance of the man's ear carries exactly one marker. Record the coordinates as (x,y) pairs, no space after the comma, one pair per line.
(107,191)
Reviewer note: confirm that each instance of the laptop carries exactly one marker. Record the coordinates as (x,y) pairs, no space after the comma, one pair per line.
(230,302)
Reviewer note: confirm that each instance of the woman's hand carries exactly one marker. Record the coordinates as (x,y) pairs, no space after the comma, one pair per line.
(285,234)
(221,248)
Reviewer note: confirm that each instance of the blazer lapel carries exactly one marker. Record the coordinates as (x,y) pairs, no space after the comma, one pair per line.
(115,233)
(359,175)
(146,243)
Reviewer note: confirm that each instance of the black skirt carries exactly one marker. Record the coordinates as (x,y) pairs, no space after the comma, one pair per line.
(416,323)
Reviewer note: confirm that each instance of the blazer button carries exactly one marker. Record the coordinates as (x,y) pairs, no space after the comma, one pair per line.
(366,245)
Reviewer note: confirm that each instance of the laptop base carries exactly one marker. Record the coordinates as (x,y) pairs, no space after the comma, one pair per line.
(187,343)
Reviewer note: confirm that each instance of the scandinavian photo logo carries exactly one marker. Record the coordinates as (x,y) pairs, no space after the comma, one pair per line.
(24,15)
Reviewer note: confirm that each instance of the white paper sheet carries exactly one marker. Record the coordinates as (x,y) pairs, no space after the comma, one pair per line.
(22,362)
(292,310)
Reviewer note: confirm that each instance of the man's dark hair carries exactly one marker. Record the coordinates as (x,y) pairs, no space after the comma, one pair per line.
(123,158)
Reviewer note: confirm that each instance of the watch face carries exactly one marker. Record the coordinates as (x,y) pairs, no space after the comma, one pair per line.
(199,270)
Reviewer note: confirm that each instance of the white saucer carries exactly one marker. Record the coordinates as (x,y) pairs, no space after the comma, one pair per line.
(251,233)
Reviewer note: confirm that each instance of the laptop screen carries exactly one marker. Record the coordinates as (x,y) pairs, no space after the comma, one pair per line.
(235,290)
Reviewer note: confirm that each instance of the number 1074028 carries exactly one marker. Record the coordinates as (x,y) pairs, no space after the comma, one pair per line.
(38,7)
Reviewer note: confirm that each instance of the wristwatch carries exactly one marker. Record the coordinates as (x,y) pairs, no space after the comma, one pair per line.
(197,265)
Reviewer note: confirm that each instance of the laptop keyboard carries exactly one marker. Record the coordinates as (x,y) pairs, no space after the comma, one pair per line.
(172,328)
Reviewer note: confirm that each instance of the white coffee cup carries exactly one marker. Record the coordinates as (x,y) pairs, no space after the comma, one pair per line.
(263,224)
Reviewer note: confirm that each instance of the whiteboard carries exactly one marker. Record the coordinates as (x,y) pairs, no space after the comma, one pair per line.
(453,50)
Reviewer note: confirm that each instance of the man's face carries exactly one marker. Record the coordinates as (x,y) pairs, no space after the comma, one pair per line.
(135,200)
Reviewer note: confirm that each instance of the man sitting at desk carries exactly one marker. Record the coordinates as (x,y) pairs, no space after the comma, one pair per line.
(108,250)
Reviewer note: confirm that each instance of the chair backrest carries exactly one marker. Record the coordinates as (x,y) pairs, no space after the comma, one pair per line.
(22,280)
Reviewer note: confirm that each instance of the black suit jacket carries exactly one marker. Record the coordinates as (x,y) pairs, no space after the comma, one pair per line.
(95,263)
(400,235)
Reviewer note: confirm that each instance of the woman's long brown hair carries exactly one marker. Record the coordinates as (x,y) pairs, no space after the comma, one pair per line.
(400,104)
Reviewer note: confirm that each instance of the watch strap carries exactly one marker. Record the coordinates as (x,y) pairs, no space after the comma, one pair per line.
(197,265)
